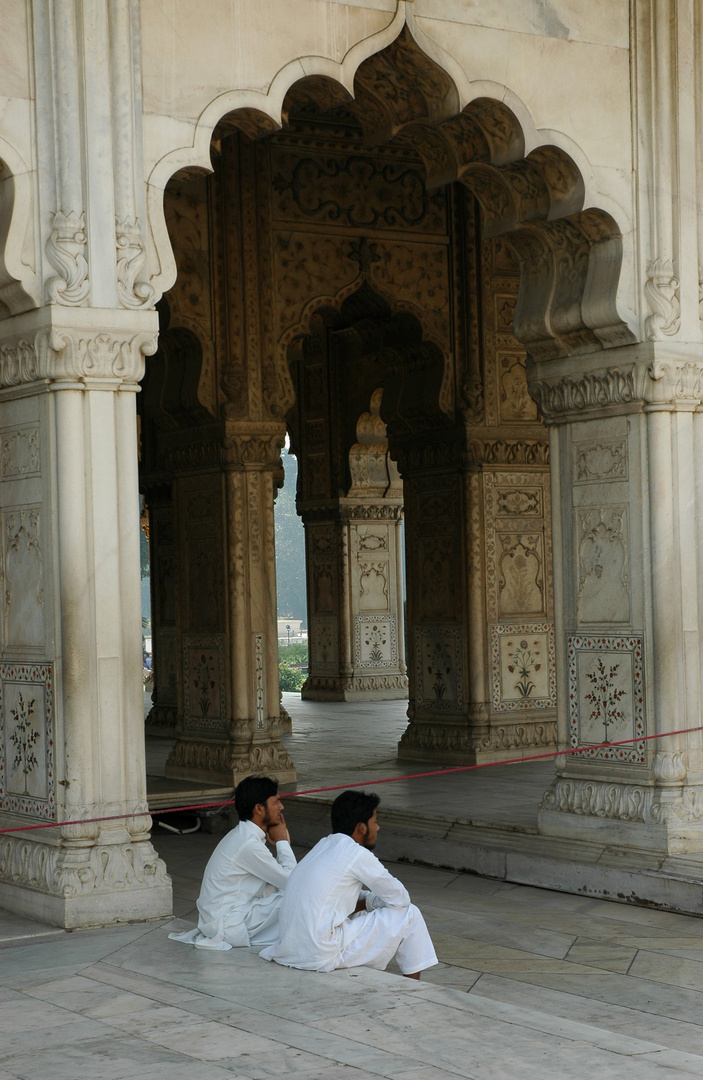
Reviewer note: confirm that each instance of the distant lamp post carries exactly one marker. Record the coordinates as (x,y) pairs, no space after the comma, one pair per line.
(288,629)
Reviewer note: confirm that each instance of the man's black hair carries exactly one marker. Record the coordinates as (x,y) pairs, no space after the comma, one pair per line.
(251,791)
(350,808)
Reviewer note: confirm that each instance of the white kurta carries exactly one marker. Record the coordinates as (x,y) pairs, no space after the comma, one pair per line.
(241,891)
(317,933)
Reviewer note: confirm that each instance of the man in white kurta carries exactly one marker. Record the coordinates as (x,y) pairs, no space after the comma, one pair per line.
(243,883)
(327,921)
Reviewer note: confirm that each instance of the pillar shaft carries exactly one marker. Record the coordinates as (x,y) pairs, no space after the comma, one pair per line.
(355,602)
(70,681)
(229,720)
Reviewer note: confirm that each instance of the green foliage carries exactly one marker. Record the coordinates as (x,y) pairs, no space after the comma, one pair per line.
(295,653)
(290,678)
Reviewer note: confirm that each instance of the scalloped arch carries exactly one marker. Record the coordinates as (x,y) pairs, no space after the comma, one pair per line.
(19,284)
(512,182)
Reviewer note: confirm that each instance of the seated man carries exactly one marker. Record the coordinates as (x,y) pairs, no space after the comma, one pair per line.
(325,919)
(243,883)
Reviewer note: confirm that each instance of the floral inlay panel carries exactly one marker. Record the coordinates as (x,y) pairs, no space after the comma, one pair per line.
(204,683)
(606,695)
(439,668)
(27,771)
(375,642)
(522,666)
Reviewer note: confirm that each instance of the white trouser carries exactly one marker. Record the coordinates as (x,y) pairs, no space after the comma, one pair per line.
(373,938)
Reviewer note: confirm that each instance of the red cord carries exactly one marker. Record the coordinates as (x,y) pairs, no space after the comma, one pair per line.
(361,783)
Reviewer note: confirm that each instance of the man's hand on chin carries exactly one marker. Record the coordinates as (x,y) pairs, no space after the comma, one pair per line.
(277,831)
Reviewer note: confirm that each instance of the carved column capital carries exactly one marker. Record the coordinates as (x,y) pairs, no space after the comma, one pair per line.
(253,445)
(647,377)
(60,344)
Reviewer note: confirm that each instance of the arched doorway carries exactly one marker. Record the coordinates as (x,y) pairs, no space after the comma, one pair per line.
(422,217)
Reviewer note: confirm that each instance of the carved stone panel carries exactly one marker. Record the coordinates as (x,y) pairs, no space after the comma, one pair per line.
(439,677)
(375,643)
(600,461)
(606,695)
(204,706)
(518,554)
(520,561)
(19,453)
(199,508)
(359,192)
(514,401)
(322,568)
(373,585)
(166,659)
(163,566)
(603,555)
(522,666)
(27,739)
(23,610)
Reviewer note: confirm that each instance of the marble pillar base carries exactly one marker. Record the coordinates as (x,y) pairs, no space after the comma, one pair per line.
(161,721)
(462,742)
(356,688)
(94,885)
(660,819)
(225,762)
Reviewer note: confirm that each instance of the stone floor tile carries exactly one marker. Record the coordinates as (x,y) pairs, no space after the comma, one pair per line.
(601,954)
(668,969)
(675,1033)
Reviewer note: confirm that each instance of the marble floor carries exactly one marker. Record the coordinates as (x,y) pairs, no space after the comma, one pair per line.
(482,820)
(350,742)
(532,984)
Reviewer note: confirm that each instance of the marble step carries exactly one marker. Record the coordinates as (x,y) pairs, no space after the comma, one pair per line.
(520,855)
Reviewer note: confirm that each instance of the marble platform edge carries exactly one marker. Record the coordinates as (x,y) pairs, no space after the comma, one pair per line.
(585,868)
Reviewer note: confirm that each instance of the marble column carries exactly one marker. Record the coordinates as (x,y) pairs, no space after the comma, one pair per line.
(70,678)
(627,487)
(354,566)
(230,722)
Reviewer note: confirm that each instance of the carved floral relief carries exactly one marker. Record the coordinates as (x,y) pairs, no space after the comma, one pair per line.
(324,648)
(373,586)
(204,683)
(19,453)
(439,675)
(23,622)
(603,564)
(375,643)
(517,554)
(599,461)
(520,574)
(27,770)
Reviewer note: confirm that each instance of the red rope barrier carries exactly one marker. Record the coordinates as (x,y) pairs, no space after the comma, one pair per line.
(363,783)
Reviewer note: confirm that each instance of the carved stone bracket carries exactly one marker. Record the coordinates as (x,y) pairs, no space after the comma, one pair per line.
(65,250)
(133,290)
(662,291)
